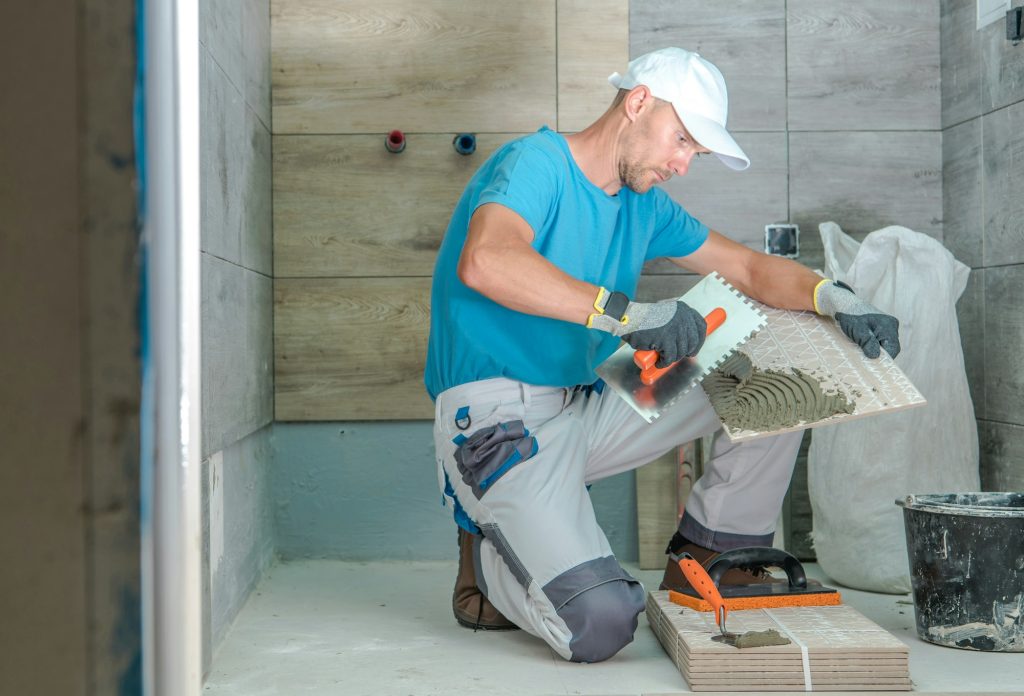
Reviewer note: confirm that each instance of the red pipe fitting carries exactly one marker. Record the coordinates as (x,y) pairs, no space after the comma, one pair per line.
(395,142)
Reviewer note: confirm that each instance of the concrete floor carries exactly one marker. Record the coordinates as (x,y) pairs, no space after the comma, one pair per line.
(332,627)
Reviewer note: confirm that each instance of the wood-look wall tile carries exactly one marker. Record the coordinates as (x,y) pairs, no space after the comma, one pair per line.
(351,349)
(1003,156)
(864,181)
(436,66)
(345,206)
(1004,343)
(236,352)
(961,64)
(736,204)
(256,51)
(593,42)
(869,65)
(1002,456)
(970,312)
(1002,68)
(747,43)
(962,220)
(223,151)
(257,233)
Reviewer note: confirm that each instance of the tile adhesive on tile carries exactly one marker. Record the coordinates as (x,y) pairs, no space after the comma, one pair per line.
(749,398)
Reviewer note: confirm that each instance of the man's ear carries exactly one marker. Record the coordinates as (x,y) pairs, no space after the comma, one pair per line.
(638,101)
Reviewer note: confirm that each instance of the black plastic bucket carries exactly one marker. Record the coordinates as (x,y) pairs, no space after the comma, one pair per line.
(966,553)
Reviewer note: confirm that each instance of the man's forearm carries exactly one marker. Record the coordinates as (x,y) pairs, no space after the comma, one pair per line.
(782,283)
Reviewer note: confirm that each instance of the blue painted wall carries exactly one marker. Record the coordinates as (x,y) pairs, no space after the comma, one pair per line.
(368,491)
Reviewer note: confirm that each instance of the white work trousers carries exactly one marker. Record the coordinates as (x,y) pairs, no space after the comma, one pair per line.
(514,460)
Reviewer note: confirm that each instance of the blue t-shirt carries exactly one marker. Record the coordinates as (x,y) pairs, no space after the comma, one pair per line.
(588,234)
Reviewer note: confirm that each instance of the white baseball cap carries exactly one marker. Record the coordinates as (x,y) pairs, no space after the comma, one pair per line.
(696,89)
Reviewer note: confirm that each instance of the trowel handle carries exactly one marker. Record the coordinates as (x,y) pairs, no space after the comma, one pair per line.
(705,587)
(645,359)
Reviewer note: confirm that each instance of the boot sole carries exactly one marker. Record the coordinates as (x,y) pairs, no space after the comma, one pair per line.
(485,627)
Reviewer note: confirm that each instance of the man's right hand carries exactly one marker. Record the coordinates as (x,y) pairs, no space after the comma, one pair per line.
(671,327)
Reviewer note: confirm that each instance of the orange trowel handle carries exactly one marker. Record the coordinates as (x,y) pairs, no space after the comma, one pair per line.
(701,581)
(645,359)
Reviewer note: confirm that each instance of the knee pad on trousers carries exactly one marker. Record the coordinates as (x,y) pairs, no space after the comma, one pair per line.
(603,619)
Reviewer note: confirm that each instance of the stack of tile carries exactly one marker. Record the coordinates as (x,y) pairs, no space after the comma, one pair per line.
(831,649)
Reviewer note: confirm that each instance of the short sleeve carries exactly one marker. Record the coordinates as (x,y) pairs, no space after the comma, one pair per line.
(676,232)
(524,179)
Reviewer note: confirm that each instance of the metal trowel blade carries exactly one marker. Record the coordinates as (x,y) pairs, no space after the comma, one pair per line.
(742,321)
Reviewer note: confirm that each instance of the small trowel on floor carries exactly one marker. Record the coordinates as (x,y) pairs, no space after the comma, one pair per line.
(650,390)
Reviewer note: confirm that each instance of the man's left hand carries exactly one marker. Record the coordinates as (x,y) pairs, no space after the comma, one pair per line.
(866,326)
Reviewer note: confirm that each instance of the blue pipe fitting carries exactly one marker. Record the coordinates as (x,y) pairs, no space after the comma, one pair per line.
(465,143)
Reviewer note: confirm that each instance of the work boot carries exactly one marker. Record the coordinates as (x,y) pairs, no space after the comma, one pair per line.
(471,608)
(675,580)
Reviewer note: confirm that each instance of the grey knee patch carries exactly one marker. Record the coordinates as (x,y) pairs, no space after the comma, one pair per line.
(600,603)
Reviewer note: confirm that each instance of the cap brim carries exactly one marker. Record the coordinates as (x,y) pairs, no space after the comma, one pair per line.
(715,138)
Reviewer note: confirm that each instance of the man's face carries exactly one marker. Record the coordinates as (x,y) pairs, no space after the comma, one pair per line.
(658,147)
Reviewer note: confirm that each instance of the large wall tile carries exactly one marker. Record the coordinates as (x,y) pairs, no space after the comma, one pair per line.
(345,206)
(747,43)
(1003,137)
(961,67)
(962,221)
(868,65)
(737,204)
(257,226)
(220,30)
(223,151)
(593,42)
(237,352)
(1004,343)
(256,49)
(351,348)
(970,312)
(1002,68)
(437,66)
(1002,456)
(864,181)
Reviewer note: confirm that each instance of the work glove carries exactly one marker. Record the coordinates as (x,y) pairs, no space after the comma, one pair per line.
(671,327)
(866,326)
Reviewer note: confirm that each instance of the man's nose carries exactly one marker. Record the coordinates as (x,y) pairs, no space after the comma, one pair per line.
(681,164)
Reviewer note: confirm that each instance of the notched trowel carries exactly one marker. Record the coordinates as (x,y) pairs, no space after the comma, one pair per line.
(650,390)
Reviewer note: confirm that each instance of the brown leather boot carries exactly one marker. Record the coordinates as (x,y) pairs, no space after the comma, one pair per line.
(471,608)
(675,580)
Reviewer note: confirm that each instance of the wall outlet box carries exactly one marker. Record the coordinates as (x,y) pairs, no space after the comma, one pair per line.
(782,240)
(991,10)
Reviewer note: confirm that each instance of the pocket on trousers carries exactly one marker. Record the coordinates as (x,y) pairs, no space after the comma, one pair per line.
(491,452)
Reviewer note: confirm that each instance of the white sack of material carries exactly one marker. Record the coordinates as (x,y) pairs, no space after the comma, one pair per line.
(857,469)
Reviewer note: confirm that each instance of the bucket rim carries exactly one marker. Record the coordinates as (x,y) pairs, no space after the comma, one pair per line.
(946,503)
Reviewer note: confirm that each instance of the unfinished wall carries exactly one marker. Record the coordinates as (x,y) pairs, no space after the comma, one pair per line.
(69,364)
(237,334)
(983,167)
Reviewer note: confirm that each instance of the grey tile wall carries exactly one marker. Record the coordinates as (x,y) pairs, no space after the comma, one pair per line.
(237,307)
(983,165)
(236,237)
(1003,183)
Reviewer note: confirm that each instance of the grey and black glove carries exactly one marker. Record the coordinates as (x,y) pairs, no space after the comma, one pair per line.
(671,327)
(866,326)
